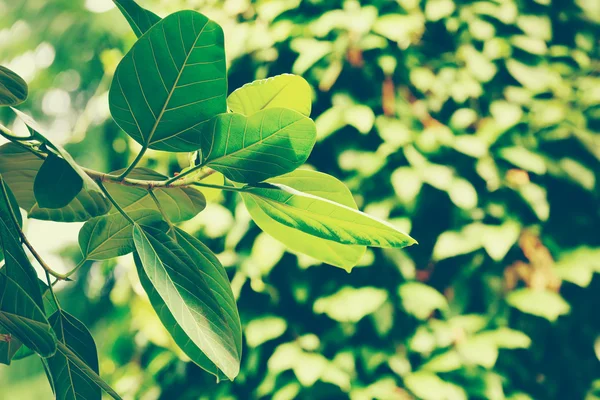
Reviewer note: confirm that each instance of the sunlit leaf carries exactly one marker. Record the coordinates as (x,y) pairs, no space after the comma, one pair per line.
(543,303)
(138,18)
(177,273)
(251,149)
(109,236)
(13,89)
(421,300)
(68,381)
(281,91)
(171,82)
(324,218)
(179,204)
(317,184)
(351,304)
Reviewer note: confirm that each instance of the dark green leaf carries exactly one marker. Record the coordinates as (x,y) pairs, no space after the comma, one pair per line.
(68,381)
(24,319)
(324,218)
(317,184)
(56,183)
(9,346)
(251,149)
(177,276)
(138,18)
(19,169)
(82,369)
(179,204)
(13,89)
(109,236)
(215,274)
(171,82)
(281,91)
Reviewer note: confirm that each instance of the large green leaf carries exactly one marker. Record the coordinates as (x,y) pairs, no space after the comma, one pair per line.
(251,149)
(56,183)
(68,381)
(171,82)
(324,218)
(109,236)
(211,268)
(178,278)
(138,18)
(179,204)
(80,368)
(13,89)
(23,318)
(281,91)
(19,169)
(317,184)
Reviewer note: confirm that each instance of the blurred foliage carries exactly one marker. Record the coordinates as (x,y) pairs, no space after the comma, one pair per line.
(476,123)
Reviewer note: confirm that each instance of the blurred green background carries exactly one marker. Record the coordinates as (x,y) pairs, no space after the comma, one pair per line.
(472,124)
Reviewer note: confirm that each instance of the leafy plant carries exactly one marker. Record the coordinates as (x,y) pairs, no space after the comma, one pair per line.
(169,93)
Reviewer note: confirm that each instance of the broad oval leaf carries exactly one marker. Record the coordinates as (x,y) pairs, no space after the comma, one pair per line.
(324,218)
(56,183)
(13,89)
(109,236)
(251,149)
(68,381)
(317,184)
(19,169)
(178,280)
(281,91)
(138,18)
(171,82)
(23,318)
(180,204)
(218,281)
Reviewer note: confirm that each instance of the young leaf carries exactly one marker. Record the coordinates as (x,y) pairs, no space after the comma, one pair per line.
(109,236)
(19,169)
(13,89)
(178,280)
(23,318)
(180,204)
(68,382)
(251,149)
(171,82)
(317,184)
(138,18)
(281,91)
(219,284)
(324,218)
(81,368)
(56,183)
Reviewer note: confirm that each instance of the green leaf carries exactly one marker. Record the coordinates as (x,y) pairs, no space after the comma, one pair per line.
(109,236)
(171,82)
(68,381)
(209,266)
(317,184)
(351,304)
(82,369)
(138,18)
(177,275)
(324,218)
(13,89)
(9,346)
(56,183)
(19,169)
(543,303)
(23,318)
(251,149)
(180,204)
(281,91)
(421,300)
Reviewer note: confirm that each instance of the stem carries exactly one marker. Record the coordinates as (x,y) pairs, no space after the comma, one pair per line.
(7,133)
(210,185)
(114,202)
(162,211)
(135,162)
(35,254)
(51,289)
(206,173)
